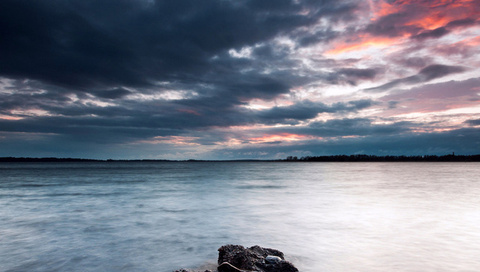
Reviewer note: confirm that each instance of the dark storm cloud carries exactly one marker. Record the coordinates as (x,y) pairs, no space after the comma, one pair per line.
(473,122)
(359,73)
(426,74)
(85,44)
(444,30)
(324,35)
(435,33)
(305,110)
(84,129)
(24,95)
(256,86)
(112,94)
(354,127)
(414,62)
(75,67)
(462,22)
(393,104)
(331,131)
(352,75)
(134,121)
(349,76)
(393,25)
(437,70)
(78,113)
(82,53)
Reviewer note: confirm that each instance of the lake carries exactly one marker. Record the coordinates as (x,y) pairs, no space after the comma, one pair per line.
(162,216)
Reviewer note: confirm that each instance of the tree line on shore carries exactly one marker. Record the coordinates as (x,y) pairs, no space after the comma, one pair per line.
(330,158)
(388,158)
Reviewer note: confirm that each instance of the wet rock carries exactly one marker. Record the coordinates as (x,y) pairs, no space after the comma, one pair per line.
(226,267)
(236,258)
(272,259)
(252,259)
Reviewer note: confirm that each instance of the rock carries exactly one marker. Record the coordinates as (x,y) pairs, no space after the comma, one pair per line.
(253,259)
(226,267)
(272,259)
(236,258)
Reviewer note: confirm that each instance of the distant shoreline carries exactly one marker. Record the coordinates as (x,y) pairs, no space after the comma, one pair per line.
(332,158)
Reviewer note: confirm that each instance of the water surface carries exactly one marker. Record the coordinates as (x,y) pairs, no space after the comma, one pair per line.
(162,216)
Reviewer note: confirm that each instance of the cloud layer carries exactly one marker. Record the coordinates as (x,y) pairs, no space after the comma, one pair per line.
(237,79)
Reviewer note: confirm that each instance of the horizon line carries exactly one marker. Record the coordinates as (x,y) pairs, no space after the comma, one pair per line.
(325,158)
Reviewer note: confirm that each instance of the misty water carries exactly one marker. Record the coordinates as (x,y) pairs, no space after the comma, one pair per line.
(164,216)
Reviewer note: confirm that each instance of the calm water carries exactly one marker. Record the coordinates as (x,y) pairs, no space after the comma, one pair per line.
(163,216)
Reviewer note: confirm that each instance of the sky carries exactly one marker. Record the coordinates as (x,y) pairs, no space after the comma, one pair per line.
(238,79)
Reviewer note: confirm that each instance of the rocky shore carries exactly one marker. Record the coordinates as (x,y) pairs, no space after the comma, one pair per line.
(236,258)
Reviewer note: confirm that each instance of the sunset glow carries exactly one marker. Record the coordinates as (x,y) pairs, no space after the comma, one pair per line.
(361,43)
(282,137)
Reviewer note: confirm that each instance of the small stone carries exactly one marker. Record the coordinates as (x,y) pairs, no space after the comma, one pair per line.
(272,259)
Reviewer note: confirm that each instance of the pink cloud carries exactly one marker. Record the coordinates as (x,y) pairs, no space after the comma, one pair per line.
(395,22)
(436,97)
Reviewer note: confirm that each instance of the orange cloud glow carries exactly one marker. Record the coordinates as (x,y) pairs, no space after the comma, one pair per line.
(7,117)
(431,14)
(426,15)
(282,137)
(435,20)
(363,42)
(471,42)
(383,9)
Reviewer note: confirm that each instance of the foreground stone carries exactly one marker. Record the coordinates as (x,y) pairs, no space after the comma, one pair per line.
(253,259)
(236,258)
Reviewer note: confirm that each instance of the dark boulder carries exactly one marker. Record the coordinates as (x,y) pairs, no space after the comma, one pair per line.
(235,258)
(252,259)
